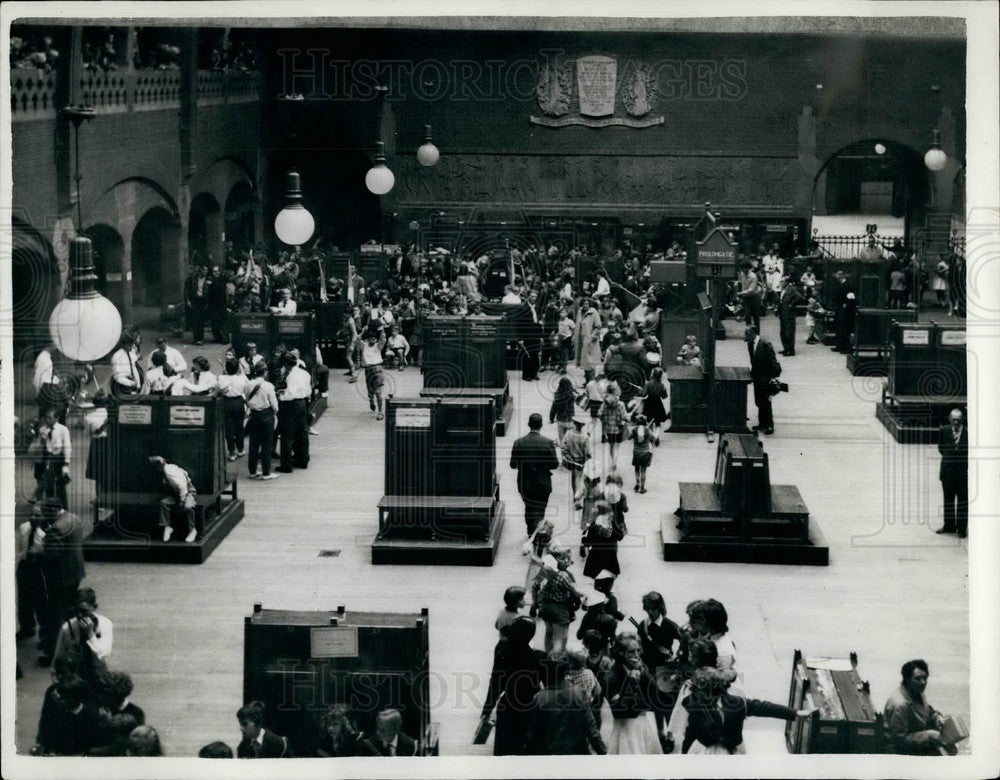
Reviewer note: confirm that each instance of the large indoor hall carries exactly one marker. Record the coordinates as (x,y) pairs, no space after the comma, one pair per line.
(566,396)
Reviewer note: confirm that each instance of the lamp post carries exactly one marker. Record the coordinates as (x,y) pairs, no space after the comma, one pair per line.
(84,325)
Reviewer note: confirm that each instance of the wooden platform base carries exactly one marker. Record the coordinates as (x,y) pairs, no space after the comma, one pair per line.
(709,533)
(914,423)
(105,545)
(424,552)
(867,364)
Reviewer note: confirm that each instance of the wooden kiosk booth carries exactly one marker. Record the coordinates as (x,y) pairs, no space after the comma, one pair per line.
(186,430)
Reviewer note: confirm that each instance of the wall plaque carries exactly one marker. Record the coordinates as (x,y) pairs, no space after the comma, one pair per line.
(291,326)
(333,642)
(413,417)
(253,326)
(916,337)
(187,416)
(135,414)
(953,338)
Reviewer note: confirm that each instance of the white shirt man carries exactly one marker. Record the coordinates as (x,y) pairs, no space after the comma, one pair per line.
(100,639)
(286,306)
(298,385)
(158,381)
(44,370)
(603,286)
(56,439)
(202,384)
(125,368)
(174,357)
(510,296)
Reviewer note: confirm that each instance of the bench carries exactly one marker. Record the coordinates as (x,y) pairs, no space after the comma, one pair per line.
(132,504)
(436,516)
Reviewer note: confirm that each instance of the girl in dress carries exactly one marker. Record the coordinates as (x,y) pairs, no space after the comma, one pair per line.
(642,451)
(601,540)
(939,284)
(536,548)
(653,406)
(813,310)
(587,493)
(626,688)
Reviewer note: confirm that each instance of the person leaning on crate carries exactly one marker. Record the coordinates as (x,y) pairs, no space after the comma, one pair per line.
(912,726)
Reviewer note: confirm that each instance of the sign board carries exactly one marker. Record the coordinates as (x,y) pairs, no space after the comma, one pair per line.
(333,642)
(916,337)
(135,414)
(716,256)
(253,326)
(378,249)
(291,326)
(187,416)
(407,417)
(953,338)
(483,329)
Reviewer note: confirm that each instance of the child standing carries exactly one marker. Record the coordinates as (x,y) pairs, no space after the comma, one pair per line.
(642,451)
(602,540)
(536,548)
(654,394)
(576,451)
(813,310)
(588,492)
(513,602)
(613,415)
(594,390)
(397,348)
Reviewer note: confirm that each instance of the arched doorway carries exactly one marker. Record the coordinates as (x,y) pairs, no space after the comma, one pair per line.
(148,255)
(241,205)
(872,178)
(204,230)
(109,251)
(34,286)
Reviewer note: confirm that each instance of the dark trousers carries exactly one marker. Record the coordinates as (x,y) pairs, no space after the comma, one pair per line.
(261,430)
(32,597)
(534,509)
(787,330)
(235,413)
(294,433)
(956,503)
(198,314)
(751,309)
(762,398)
(565,352)
(218,319)
(53,482)
(322,379)
(62,598)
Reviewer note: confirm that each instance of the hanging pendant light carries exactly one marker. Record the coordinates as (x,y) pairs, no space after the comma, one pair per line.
(84,326)
(428,153)
(379,180)
(294,224)
(935,158)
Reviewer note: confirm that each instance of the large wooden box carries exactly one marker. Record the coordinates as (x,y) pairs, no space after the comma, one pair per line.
(846,720)
(742,476)
(301,663)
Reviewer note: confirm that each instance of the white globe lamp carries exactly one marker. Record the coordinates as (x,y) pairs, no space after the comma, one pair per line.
(935,158)
(427,153)
(294,225)
(85,326)
(379,180)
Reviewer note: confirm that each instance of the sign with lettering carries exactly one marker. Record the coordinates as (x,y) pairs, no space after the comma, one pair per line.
(291,326)
(953,338)
(187,416)
(253,326)
(716,256)
(484,329)
(135,414)
(333,642)
(916,337)
(413,417)
(596,79)
(379,249)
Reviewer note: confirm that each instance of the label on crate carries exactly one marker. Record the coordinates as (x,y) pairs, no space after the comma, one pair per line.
(253,326)
(135,414)
(333,642)
(187,416)
(953,338)
(291,326)
(409,417)
(916,337)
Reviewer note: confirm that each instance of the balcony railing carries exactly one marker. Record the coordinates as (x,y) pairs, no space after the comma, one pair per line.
(119,91)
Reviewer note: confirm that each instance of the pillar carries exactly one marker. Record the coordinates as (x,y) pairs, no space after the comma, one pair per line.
(808,164)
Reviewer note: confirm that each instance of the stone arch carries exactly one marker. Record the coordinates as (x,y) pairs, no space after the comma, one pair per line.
(154,234)
(204,237)
(900,165)
(109,254)
(240,214)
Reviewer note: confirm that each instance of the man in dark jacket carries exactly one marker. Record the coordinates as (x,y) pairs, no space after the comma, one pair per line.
(953,444)
(62,565)
(561,722)
(788,303)
(846,312)
(763,368)
(534,457)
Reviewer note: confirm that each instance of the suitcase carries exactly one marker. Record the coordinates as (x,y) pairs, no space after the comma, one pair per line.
(845,721)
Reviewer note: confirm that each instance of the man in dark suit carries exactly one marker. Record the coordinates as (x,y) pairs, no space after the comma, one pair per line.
(389,739)
(534,457)
(953,444)
(846,312)
(788,304)
(257,741)
(63,568)
(763,368)
(196,292)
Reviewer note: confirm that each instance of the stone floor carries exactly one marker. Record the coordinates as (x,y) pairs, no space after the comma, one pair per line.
(893,590)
